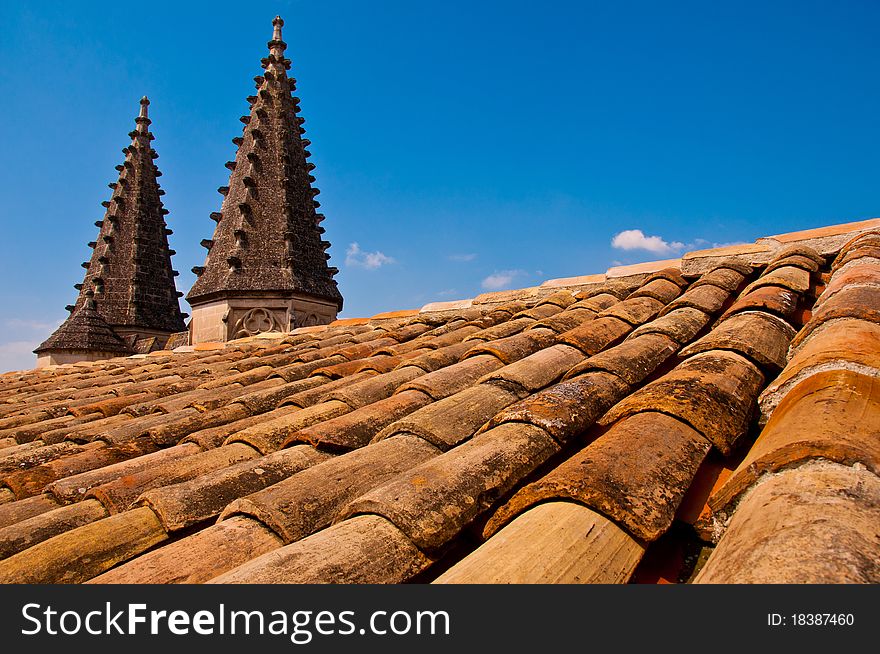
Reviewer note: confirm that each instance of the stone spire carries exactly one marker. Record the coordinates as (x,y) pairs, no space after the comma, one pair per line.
(84,336)
(129,274)
(267,245)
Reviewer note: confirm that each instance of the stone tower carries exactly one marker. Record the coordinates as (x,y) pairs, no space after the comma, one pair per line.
(129,283)
(266,267)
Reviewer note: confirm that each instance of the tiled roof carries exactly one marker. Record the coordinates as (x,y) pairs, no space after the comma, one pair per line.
(709,419)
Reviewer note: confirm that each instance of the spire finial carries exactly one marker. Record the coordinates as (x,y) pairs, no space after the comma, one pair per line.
(276,46)
(143,121)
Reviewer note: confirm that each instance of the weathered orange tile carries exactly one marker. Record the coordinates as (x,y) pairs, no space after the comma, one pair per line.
(848,343)
(353,430)
(583,280)
(774,299)
(344,322)
(681,325)
(454,419)
(817,523)
(830,415)
(515,347)
(761,337)
(641,268)
(715,392)
(708,298)
(552,543)
(310,500)
(453,378)
(633,360)
(366,549)
(660,289)
(204,347)
(406,313)
(84,552)
(120,494)
(634,310)
(434,501)
(861,302)
(863,274)
(537,370)
(27,533)
(636,473)
(189,503)
(567,409)
(196,558)
(595,335)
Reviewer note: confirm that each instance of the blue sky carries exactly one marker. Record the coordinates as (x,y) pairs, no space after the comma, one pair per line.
(460,146)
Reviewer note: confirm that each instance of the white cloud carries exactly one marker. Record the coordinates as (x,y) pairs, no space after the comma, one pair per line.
(500,279)
(447,292)
(635,239)
(357,258)
(18,355)
(463,257)
(39,325)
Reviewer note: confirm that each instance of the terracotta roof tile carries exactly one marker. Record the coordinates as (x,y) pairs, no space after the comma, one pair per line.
(78,555)
(567,409)
(861,302)
(24,534)
(641,268)
(31,481)
(826,416)
(454,419)
(708,298)
(268,436)
(817,523)
(761,337)
(593,336)
(309,501)
(357,428)
(432,502)
(74,488)
(552,543)
(120,494)
(636,473)
(537,370)
(188,503)
(364,549)
(773,299)
(197,558)
(714,392)
(846,344)
(13,512)
(633,360)
(681,325)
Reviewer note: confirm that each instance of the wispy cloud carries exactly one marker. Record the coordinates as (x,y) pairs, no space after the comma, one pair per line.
(463,257)
(37,325)
(501,279)
(635,239)
(449,292)
(358,258)
(17,355)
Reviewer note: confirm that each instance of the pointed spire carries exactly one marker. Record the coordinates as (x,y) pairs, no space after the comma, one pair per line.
(129,281)
(267,236)
(85,330)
